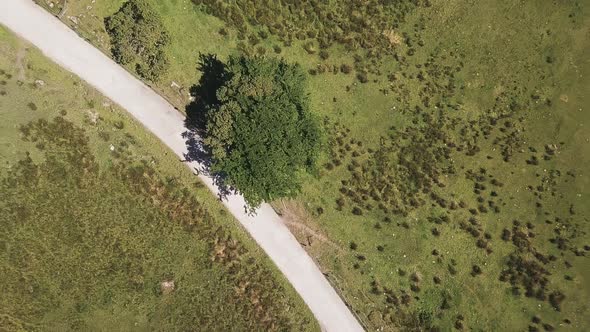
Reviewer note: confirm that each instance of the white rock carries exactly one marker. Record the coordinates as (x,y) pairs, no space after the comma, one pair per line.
(167,286)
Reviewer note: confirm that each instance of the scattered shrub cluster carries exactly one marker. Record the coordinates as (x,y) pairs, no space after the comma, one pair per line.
(359,25)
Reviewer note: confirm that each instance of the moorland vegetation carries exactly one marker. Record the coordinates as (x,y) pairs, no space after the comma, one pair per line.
(453,187)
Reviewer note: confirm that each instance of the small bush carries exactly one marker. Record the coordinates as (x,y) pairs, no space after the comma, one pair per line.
(362,77)
(345,68)
(119,124)
(475,270)
(357,211)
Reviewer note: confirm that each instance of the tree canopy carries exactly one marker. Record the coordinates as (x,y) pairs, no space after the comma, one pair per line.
(259,130)
(139,38)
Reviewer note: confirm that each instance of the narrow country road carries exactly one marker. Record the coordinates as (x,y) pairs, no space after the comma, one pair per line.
(65,47)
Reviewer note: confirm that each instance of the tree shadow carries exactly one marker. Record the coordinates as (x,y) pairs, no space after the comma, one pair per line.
(204,98)
(204,94)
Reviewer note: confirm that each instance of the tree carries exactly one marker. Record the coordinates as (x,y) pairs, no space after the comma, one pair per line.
(139,38)
(259,130)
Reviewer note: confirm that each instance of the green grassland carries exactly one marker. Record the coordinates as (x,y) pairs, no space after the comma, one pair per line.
(454,190)
(96,214)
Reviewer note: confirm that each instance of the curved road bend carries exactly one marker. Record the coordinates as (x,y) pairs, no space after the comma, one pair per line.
(65,47)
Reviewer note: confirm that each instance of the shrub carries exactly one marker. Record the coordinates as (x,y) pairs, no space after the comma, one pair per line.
(309,47)
(345,68)
(260,50)
(362,77)
(139,39)
(119,124)
(475,270)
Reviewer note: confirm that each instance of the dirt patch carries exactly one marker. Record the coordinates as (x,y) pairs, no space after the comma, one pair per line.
(393,38)
(167,286)
(299,222)
(20,63)
(564,98)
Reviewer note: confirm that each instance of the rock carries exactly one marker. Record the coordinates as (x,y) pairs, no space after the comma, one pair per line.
(51,4)
(93,116)
(167,286)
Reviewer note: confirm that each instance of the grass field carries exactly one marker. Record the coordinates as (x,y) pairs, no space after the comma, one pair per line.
(454,192)
(96,214)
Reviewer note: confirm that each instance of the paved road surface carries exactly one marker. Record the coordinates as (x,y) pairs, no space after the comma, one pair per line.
(63,46)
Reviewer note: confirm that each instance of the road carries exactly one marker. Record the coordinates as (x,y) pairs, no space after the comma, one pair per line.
(66,48)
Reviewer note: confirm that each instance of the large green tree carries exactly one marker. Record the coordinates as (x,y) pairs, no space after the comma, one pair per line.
(259,129)
(139,39)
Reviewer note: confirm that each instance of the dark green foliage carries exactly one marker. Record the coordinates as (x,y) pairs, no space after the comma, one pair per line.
(139,39)
(260,131)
